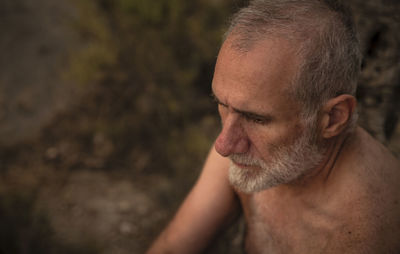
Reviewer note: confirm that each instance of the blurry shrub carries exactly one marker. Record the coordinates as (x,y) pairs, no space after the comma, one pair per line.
(145,70)
(97,53)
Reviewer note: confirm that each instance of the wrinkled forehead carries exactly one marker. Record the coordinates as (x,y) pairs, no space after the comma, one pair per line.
(263,72)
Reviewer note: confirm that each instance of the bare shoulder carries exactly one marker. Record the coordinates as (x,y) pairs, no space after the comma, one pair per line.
(210,205)
(215,166)
(375,169)
(376,160)
(378,177)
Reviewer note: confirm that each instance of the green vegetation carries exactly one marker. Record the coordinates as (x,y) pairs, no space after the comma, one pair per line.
(143,71)
(146,70)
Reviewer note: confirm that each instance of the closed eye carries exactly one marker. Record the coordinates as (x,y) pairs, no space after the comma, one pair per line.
(248,116)
(218,101)
(255,118)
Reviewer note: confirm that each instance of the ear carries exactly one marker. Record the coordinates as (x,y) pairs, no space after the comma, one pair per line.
(336,115)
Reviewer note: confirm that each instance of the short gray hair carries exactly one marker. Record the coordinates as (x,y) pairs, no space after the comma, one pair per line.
(326,39)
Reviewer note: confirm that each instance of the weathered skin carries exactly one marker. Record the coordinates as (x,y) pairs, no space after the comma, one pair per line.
(354,210)
(348,204)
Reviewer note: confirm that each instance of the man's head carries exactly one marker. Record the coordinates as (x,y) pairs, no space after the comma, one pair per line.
(285,80)
(325,38)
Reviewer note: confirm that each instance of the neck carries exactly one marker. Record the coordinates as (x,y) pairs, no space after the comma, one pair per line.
(333,155)
(320,176)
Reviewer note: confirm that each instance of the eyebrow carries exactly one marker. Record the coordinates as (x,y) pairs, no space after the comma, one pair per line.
(242,112)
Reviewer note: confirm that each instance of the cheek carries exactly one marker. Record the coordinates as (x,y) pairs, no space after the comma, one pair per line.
(265,140)
(262,140)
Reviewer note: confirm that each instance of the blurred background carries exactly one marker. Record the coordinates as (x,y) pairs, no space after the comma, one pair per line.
(106,116)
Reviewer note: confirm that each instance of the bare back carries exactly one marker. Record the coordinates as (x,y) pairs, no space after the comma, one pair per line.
(355,210)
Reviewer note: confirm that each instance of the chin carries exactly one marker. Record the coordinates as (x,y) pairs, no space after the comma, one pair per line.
(292,165)
(287,164)
(249,180)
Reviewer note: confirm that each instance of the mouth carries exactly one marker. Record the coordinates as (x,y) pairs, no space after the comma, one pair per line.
(240,164)
(244,166)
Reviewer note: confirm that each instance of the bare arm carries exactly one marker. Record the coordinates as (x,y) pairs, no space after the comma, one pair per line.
(210,205)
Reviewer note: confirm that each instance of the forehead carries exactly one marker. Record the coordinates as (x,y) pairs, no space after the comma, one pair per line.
(257,79)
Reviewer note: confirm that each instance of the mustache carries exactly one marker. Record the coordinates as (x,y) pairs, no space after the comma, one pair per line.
(245,159)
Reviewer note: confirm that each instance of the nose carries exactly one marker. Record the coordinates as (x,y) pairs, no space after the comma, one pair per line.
(232,139)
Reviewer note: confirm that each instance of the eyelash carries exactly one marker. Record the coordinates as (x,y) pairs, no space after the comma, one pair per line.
(255,120)
(220,104)
(247,117)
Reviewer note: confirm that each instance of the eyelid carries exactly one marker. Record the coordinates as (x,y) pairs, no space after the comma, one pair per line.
(256,118)
(222,104)
(218,101)
(247,115)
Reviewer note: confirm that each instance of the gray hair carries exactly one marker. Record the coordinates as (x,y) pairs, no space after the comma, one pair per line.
(326,39)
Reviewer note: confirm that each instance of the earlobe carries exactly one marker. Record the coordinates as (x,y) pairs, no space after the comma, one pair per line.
(337,114)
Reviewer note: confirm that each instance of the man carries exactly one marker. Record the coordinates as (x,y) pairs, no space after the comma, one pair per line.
(290,155)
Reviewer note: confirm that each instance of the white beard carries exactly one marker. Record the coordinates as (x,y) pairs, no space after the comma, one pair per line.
(287,164)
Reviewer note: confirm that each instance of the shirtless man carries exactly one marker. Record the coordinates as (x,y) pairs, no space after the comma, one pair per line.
(290,155)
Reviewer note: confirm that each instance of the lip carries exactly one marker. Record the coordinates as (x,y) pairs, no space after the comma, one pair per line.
(244,165)
(240,165)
